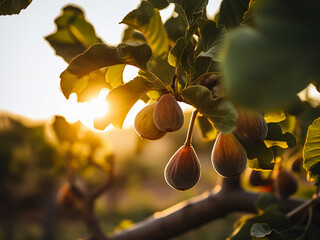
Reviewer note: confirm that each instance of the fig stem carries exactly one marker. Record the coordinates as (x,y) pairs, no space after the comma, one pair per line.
(306,204)
(190,129)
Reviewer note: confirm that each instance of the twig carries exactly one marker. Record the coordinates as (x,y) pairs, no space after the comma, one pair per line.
(304,205)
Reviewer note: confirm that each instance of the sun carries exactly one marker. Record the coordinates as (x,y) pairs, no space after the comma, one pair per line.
(86,112)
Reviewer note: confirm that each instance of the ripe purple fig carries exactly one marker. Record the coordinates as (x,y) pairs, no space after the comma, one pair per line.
(183,170)
(251,127)
(285,183)
(167,114)
(256,179)
(144,125)
(228,157)
(296,164)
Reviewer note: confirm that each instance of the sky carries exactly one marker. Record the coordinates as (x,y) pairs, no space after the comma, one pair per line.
(30,83)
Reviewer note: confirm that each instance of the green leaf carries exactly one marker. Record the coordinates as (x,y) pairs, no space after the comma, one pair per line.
(275,137)
(231,12)
(192,8)
(10,7)
(176,26)
(181,46)
(311,150)
(219,111)
(160,4)
(281,55)
(208,132)
(259,156)
(274,219)
(162,69)
(248,16)
(74,34)
(148,20)
(86,87)
(260,230)
(121,99)
(114,75)
(265,200)
(100,55)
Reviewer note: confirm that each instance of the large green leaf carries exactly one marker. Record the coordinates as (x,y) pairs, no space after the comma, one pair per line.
(275,137)
(101,55)
(148,20)
(220,111)
(10,7)
(231,12)
(192,8)
(74,34)
(121,99)
(248,16)
(280,56)
(311,150)
(114,75)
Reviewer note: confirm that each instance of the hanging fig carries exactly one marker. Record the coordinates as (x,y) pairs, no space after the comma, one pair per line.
(251,127)
(228,157)
(256,179)
(285,183)
(167,114)
(183,170)
(144,125)
(296,164)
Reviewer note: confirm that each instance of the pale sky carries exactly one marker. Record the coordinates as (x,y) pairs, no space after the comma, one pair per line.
(30,83)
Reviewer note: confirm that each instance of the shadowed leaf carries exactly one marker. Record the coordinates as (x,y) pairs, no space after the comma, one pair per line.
(275,137)
(192,8)
(207,130)
(147,20)
(220,111)
(74,34)
(10,7)
(231,12)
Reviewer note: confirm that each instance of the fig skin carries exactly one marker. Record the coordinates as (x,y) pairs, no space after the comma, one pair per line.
(229,158)
(285,183)
(144,126)
(183,170)
(167,114)
(251,127)
(296,164)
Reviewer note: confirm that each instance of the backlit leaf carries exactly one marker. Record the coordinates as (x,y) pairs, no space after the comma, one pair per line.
(207,130)
(259,156)
(220,111)
(114,75)
(74,34)
(147,20)
(10,7)
(121,99)
(248,16)
(176,25)
(101,55)
(311,150)
(275,137)
(274,116)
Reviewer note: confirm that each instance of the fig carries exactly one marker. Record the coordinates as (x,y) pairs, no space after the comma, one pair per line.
(167,114)
(183,170)
(256,179)
(251,127)
(296,164)
(144,126)
(285,183)
(229,158)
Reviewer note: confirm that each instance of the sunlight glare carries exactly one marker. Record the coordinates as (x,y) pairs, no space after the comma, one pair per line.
(86,112)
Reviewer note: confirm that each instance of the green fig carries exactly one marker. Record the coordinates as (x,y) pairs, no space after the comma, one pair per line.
(251,127)
(167,114)
(144,126)
(183,170)
(228,157)
(285,183)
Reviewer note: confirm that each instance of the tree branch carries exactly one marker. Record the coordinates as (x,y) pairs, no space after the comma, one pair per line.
(197,211)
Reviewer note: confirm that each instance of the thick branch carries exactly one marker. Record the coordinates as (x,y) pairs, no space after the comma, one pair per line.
(193,213)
